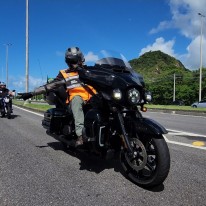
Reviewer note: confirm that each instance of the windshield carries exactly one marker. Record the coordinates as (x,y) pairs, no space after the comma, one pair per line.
(110,58)
(115,62)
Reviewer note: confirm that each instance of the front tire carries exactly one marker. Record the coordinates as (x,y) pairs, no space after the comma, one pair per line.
(9,112)
(2,114)
(149,165)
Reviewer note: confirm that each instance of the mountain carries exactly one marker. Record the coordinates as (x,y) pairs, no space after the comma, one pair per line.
(158,70)
(156,64)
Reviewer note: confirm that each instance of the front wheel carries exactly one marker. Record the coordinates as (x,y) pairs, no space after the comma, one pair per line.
(149,164)
(9,112)
(2,114)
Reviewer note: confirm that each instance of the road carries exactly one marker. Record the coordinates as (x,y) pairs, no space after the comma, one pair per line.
(188,123)
(35,170)
(183,129)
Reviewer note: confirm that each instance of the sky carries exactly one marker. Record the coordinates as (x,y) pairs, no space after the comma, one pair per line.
(131,27)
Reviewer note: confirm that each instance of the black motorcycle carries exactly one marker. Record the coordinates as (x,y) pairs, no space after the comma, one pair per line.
(6,106)
(114,121)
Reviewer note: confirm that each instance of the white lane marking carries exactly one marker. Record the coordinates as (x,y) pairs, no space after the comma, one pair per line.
(169,141)
(166,113)
(172,131)
(183,144)
(41,115)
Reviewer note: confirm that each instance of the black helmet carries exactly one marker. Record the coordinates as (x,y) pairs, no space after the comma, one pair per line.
(73,55)
(2,84)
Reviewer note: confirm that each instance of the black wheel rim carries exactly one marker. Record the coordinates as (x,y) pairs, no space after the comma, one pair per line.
(147,158)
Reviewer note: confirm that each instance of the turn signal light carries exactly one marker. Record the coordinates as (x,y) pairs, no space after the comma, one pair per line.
(144,109)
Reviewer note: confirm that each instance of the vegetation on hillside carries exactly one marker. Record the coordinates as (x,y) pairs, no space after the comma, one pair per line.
(160,70)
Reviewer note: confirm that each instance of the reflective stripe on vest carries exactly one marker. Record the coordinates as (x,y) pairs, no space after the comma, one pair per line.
(74,86)
(72,79)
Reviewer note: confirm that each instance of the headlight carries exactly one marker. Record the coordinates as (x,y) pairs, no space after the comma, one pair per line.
(148,96)
(117,94)
(133,96)
(6,99)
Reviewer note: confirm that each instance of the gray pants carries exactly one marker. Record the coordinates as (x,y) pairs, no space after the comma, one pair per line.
(76,106)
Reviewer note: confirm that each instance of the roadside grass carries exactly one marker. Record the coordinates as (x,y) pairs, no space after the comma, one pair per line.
(174,107)
(44,107)
(27,104)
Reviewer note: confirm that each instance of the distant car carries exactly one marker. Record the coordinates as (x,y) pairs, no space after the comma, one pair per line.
(178,102)
(201,104)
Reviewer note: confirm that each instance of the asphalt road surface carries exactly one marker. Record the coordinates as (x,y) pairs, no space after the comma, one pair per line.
(185,130)
(35,170)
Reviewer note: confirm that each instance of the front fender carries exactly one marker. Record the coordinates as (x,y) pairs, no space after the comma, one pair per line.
(150,126)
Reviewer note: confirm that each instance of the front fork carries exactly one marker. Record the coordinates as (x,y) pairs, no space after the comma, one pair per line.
(2,107)
(124,135)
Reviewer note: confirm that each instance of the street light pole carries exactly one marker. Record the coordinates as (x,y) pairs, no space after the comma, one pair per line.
(7,63)
(27,45)
(200,82)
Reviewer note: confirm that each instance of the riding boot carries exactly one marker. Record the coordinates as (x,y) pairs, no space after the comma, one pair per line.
(79,141)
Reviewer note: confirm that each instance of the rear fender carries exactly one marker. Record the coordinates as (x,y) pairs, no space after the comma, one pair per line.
(150,126)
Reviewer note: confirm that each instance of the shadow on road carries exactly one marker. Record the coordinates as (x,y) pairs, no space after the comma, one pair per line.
(88,160)
(95,163)
(13,116)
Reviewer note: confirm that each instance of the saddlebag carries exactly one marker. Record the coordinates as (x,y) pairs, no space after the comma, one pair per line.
(55,119)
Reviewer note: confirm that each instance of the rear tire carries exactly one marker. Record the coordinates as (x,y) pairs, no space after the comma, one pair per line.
(150,167)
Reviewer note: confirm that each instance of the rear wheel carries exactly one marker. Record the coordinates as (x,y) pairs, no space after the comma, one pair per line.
(150,163)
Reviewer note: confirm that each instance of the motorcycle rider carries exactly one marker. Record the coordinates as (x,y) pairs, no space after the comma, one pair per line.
(78,93)
(4,92)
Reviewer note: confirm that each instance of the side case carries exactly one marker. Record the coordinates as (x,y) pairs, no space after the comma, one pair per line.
(55,118)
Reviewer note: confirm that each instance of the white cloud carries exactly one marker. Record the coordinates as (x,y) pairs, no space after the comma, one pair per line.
(19,83)
(162,26)
(162,45)
(59,53)
(185,18)
(91,57)
(191,59)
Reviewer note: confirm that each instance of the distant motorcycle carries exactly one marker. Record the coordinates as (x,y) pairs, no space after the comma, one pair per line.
(113,121)
(5,106)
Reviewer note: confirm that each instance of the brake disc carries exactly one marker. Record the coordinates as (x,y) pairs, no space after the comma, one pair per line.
(138,159)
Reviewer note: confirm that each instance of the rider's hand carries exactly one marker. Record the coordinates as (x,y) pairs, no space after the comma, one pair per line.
(26,96)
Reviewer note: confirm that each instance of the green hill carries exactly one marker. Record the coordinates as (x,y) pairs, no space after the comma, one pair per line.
(156,64)
(159,69)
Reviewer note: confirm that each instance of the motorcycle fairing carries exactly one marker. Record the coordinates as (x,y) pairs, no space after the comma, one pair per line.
(95,126)
(105,80)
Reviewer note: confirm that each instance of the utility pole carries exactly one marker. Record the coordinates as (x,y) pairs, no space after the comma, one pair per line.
(200,82)
(174,88)
(7,63)
(27,45)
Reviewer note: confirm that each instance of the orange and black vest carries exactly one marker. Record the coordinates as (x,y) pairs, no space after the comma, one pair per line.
(76,87)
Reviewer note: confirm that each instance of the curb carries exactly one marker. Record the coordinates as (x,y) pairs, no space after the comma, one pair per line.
(182,112)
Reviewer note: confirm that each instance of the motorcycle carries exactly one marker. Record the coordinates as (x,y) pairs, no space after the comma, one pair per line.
(5,106)
(114,121)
